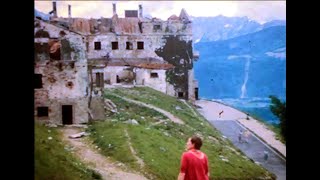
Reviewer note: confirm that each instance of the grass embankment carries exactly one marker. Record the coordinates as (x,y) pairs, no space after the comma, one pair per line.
(53,159)
(161,145)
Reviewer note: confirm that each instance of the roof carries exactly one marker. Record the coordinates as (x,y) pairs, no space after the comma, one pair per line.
(173,17)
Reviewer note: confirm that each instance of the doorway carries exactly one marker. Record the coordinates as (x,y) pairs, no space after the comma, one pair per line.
(196,93)
(67,114)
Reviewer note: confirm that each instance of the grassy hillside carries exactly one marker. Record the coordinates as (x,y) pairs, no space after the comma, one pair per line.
(160,143)
(55,162)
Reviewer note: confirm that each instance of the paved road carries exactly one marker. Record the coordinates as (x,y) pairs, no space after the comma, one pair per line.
(254,149)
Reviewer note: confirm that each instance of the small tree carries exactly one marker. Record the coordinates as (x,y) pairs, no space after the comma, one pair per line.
(278,108)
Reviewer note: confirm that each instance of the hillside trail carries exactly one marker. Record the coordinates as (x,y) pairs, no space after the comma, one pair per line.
(164,112)
(94,160)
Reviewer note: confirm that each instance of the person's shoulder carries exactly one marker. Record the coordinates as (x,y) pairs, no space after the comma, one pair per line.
(186,153)
(205,155)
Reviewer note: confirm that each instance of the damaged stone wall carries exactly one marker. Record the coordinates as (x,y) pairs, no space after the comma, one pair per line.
(72,44)
(63,83)
(65,80)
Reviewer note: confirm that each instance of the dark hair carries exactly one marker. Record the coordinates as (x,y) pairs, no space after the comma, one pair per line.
(196,141)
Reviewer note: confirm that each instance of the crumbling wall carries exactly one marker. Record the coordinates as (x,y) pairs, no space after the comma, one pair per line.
(79,110)
(72,44)
(63,83)
(65,79)
(97,108)
(143,77)
(125,74)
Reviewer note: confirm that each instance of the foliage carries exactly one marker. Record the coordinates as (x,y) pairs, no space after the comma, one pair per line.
(278,108)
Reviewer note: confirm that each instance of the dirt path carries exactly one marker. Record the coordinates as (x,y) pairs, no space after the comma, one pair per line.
(94,160)
(210,110)
(133,152)
(166,113)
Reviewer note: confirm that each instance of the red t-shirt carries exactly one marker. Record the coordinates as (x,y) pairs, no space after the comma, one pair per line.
(194,165)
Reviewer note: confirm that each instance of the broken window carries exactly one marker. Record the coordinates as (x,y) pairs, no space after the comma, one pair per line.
(42,111)
(115,45)
(140,45)
(41,51)
(37,81)
(54,45)
(99,79)
(97,45)
(129,45)
(154,75)
(180,94)
(156,27)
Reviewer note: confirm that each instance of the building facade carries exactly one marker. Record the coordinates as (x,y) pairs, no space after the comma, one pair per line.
(76,58)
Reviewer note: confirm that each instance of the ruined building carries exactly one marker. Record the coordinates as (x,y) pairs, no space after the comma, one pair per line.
(75,58)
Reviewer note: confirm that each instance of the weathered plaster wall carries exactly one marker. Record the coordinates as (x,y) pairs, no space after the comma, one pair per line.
(143,77)
(72,44)
(64,81)
(150,44)
(125,76)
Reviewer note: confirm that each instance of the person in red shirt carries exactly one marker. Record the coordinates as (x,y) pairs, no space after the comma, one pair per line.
(194,163)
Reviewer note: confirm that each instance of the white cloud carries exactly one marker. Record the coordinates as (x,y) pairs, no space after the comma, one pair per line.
(260,11)
(227,25)
(238,57)
(281,55)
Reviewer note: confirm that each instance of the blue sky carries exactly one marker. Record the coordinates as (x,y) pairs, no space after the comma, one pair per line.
(261,11)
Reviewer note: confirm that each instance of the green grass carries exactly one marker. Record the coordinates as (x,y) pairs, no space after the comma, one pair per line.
(53,161)
(161,145)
